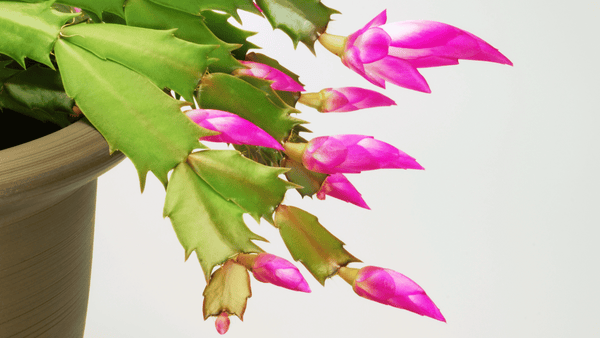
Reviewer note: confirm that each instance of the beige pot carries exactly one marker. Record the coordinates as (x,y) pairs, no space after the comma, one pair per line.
(47,206)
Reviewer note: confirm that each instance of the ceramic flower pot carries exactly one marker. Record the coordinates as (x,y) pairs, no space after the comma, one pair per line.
(47,205)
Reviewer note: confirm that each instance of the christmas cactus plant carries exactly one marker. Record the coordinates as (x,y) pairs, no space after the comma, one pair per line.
(158,77)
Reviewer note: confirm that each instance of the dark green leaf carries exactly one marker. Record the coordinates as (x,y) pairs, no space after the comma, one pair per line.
(204,221)
(144,13)
(228,290)
(254,187)
(227,32)
(197,6)
(302,20)
(229,93)
(310,181)
(310,243)
(132,114)
(38,92)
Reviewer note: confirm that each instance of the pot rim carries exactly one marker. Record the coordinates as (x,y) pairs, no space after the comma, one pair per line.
(60,161)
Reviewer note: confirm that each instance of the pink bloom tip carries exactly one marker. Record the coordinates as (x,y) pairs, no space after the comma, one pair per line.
(392,52)
(233,129)
(222,323)
(352,154)
(352,98)
(338,186)
(393,288)
(281,81)
(255,5)
(269,268)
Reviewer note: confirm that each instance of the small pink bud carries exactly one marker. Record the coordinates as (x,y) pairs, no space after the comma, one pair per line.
(233,128)
(330,100)
(77,9)
(393,288)
(392,52)
(281,81)
(352,153)
(338,186)
(268,268)
(222,323)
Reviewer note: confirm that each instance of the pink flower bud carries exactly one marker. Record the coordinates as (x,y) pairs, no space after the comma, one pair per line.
(392,52)
(222,323)
(345,99)
(393,288)
(233,128)
(338,186)
(268,268)
(352,154)
(281,81)
(77,9)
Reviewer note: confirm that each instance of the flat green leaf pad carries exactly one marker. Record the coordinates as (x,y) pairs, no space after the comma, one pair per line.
(310,181)
(204,221)
(133,114)
(228,290)
(166,60)
(98,6)
(144,13)
(310,243)
(38,92)
(229,93)
(254,187)
(301,20)
(197,6)
(30,30)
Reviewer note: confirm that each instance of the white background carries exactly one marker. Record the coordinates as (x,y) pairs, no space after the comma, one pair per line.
(501,229)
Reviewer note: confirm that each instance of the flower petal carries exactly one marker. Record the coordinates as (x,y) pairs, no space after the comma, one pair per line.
(233,128)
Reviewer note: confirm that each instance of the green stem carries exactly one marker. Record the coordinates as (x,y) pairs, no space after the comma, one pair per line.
(333,43)
(348,274)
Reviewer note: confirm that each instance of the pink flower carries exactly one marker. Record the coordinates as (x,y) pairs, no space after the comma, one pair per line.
(268,268)
(281,81)
(255,5)
(393,288)
(77,9)
(233,128)
(222,323)
(392,52)
(345,99)
(338,186)
(353,154)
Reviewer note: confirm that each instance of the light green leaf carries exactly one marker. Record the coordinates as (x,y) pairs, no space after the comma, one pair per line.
(302,20)
(30,30)
(228,290)
(132,114)
(166,60)
(310,243)
(97,6)
(144,13)
(254,187)
(229,93)
(197,6)
(204,221)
